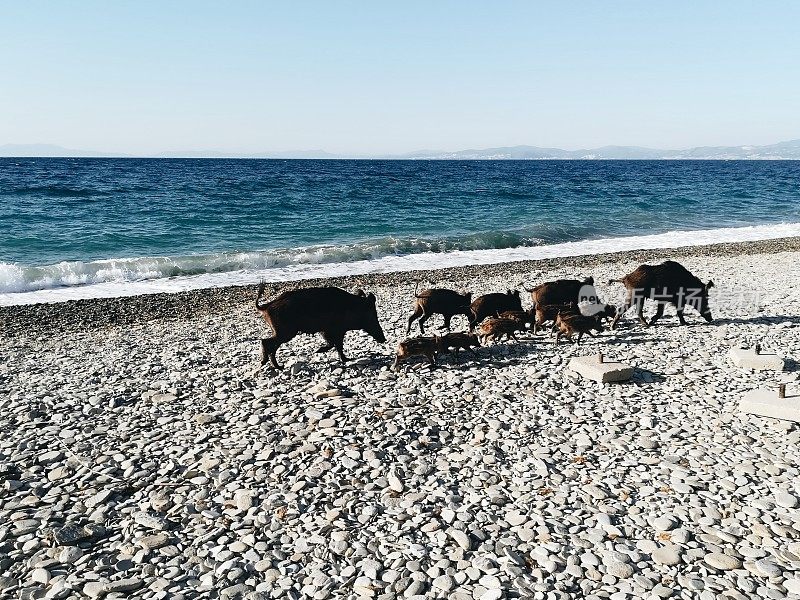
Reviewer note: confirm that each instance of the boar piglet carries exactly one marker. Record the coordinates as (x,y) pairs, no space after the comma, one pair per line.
(549,312)
(490,305)
(568,324)
(667,283)
(330,311)
(439,301)
(418,346)
(494,328)
(460,341)
(526,318)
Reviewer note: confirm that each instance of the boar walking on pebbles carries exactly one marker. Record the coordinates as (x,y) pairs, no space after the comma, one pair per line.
(490,305)
(570,323)
(495,328)
(439,301)
(667,283)
(418,346)
(459,341)
(330,311)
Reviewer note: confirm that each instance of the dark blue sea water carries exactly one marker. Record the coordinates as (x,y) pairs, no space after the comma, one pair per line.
(63,219)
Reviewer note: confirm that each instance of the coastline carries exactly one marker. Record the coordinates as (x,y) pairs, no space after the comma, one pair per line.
(93,313)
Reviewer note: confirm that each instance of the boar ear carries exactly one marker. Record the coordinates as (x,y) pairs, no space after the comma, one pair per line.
(589,280)
(371,297)
(709,285)
(468,295)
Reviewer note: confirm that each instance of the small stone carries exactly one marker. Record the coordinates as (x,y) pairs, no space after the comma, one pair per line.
(148,521)
(123,585)
(785,499)
(667,555)
(723,562)
(69,555)
(619,569)
(461,538)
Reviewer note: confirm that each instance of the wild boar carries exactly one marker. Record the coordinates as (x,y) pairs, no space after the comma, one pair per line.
(490,305)
(439,301)
(548,312)
(667,283)
(568,324)
(459,341)
(418,346)
(494,328)
(330,311)
(563,291)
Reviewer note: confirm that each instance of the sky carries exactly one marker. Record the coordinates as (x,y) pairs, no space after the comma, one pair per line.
(382,77)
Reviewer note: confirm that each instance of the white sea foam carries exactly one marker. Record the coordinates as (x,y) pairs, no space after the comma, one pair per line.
(150,275)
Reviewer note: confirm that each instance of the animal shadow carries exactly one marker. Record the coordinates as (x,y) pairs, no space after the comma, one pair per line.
(759,320)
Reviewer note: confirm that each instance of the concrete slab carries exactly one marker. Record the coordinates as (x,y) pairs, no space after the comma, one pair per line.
(600,369)
(767,402)
(751,358)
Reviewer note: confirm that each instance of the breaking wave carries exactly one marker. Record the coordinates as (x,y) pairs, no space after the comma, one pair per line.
(20,284)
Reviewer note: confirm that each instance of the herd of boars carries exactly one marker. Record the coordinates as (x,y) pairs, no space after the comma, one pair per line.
(570,304)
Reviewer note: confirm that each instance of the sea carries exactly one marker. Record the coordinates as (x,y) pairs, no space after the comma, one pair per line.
(90,227)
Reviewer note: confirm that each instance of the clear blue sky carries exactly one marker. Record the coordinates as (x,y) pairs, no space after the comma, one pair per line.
(378,77)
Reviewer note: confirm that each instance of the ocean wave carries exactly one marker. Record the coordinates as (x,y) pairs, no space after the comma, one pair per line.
(15,278)
(125,277)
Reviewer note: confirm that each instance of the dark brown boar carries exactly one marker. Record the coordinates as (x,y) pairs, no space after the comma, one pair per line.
(439,301)
(667,283)
(562,291)
(558,293)
(548,312)
(494,328)
(330,311)
(459,341)
(568,324)
(490,305)
(418,346)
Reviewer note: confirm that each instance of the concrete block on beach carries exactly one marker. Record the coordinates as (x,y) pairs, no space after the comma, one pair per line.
(598,368)
(753,358)
(769,402)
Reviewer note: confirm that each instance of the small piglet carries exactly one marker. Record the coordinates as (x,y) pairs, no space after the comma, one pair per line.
(494,328)
(439,301)
(418,346)
(569,324)
(460,341)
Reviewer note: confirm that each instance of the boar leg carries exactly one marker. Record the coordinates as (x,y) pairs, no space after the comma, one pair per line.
(658,315)
(328,345)
(269,348)
(432,359)
(580,335)
(622,310)
(680,316)
(338,341)
(425,317)
(447,321)
(418,312)
(640,312)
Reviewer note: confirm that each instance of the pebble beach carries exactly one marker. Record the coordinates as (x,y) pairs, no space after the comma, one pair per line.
(145,455)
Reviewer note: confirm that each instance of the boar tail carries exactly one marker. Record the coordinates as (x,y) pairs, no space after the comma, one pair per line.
(261,287)
(610,281)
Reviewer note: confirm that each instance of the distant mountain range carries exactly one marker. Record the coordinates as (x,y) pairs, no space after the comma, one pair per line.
(782,151)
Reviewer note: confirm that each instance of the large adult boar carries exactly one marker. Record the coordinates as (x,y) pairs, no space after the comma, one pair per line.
(667,283)
(553,296)
(490,305)
(439,301)
(327,310)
